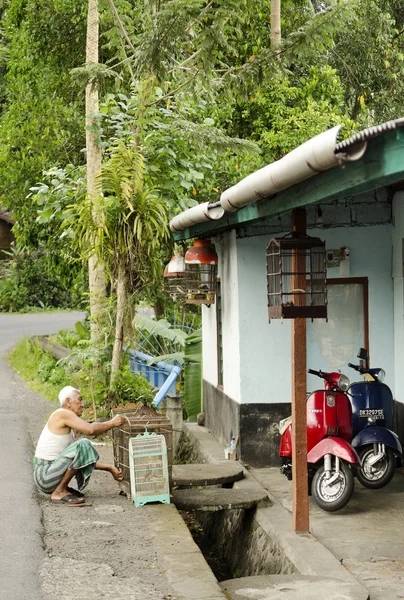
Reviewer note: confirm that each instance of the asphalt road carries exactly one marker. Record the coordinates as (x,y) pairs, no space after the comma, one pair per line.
(21,545)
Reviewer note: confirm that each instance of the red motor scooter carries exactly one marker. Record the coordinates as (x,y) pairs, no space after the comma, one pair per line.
(329,452)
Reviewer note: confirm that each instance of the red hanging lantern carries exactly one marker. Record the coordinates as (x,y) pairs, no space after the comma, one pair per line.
(200,273)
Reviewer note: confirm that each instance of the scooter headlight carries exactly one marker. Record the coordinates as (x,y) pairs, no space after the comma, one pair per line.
(343,383)
(381,375)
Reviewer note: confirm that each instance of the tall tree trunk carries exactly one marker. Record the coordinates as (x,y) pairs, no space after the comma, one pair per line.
(121,293)
(275,23)
(96,274)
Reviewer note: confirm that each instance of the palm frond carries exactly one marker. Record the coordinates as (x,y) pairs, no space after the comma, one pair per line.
(161,328)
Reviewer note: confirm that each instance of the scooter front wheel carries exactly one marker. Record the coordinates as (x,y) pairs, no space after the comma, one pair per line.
(334,490)
(377,475)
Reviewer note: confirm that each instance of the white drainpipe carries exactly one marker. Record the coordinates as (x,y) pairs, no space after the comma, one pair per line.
(312,157)
(197,214)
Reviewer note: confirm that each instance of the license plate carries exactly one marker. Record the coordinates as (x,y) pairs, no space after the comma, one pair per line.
(378,413)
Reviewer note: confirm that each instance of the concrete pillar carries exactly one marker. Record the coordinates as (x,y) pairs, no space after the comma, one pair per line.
(172,407)
(398,291)
(398,283)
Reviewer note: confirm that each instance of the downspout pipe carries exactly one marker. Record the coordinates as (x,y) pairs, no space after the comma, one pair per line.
(174,371)
(159,397)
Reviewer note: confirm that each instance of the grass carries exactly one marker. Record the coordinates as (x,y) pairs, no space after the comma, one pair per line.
(25,359)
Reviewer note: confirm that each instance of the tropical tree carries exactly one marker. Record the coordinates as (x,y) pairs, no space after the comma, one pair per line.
(126,227)
(95,265)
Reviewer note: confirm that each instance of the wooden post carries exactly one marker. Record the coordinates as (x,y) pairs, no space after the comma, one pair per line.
(300,505)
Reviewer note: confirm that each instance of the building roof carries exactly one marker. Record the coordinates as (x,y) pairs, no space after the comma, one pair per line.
(380,163)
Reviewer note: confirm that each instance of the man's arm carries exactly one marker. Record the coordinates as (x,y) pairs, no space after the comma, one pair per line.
(70,419)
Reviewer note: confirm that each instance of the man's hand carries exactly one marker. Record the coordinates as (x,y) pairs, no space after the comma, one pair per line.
(117,421)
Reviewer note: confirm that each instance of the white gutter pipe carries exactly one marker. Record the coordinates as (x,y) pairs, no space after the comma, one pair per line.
(197,214)
(312,157)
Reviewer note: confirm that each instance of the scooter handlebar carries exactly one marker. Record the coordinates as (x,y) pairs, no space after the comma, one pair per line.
(313,372)
(356,367)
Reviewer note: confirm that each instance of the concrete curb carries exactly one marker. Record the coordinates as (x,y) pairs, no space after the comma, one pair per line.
(304,551)
(186,569)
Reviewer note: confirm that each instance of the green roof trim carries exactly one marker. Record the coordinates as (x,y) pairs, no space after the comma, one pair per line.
(381,165)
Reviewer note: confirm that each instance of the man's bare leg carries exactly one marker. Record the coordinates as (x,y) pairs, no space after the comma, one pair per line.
(61,490)
(115,472)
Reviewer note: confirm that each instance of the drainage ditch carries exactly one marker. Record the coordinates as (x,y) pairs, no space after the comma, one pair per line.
(234,545)
(232,541)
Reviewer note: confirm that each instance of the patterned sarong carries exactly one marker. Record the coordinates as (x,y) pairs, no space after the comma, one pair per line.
(80,455)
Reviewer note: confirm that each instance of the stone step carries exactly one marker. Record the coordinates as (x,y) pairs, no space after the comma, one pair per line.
(206,474)
(290,587)
(214,499)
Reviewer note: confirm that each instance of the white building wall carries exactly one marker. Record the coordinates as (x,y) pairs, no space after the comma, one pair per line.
(226,248)
(265,349)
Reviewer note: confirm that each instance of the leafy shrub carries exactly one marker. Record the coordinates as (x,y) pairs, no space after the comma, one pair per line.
(46,366)
(30,281)
(132,387)
(71,337)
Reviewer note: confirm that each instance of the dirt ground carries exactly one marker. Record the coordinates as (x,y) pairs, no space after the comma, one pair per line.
(106,550)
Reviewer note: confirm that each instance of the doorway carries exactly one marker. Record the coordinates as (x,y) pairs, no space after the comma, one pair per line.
(332,344)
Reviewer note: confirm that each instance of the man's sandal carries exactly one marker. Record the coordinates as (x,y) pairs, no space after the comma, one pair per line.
(71,500)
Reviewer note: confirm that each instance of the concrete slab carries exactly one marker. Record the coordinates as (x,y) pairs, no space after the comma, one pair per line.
(184,565)
(206,474)
(367,536)
(217,499)
(288,587)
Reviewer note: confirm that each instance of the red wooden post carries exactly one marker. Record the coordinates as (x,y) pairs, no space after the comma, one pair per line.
(300,505)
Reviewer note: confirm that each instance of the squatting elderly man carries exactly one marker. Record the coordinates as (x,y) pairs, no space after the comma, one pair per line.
(59,456)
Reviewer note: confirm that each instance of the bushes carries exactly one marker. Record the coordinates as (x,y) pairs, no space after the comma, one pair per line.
(29,281)
(87,368)
(132,387)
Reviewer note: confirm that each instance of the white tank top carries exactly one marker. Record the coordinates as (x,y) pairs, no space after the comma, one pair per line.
(50,445)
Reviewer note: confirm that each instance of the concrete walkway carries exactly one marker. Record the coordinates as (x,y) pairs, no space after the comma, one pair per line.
(363,542)
(367,536)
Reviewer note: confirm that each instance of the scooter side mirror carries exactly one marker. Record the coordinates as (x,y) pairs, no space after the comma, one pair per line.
(363,356)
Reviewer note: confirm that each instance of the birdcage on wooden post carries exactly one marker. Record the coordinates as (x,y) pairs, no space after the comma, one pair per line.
(296,277)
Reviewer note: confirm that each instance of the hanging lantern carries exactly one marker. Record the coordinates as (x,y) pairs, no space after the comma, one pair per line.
(174,277)
(296,277)
(200,273)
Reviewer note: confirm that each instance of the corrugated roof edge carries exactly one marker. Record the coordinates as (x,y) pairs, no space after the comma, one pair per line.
(368,134)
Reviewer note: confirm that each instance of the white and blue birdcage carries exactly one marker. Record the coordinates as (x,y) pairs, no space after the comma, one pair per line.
(148,466)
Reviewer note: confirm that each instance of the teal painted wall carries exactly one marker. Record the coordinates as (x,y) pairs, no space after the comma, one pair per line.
(265,349)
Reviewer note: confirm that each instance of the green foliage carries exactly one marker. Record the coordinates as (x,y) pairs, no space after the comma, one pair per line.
(132,387)
(193,374)
(31,281)
(69,338)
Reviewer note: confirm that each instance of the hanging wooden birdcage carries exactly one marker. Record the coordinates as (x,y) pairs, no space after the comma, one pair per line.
(296,277)
(200,273)
(174,277)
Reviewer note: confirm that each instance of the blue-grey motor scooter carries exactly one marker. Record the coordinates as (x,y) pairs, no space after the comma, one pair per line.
(372,424)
